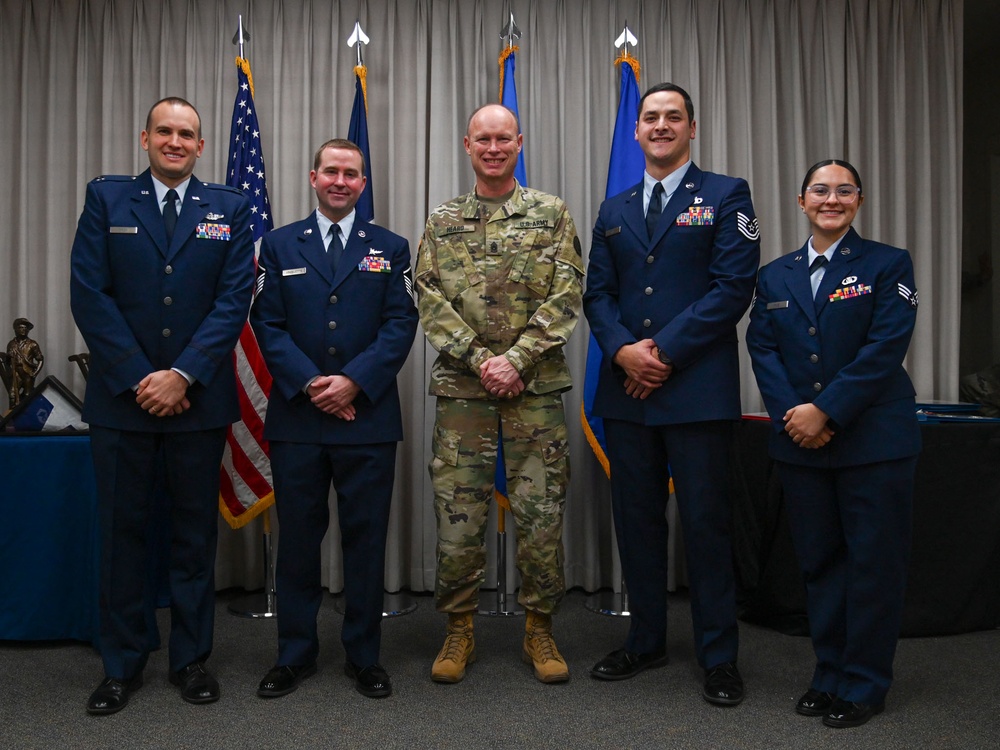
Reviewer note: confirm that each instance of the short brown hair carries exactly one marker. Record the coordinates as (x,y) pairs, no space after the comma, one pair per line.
(339,143)
(176,101)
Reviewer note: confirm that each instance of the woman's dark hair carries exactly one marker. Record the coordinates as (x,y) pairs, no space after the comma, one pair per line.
(826,163)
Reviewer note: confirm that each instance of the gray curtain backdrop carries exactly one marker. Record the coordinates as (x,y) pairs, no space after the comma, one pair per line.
(777,86)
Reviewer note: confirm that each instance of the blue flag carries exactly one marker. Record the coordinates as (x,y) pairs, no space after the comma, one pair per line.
(358,133)
(625,169)
(508,98)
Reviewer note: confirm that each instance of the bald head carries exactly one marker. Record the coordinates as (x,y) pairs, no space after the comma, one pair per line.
(493,141)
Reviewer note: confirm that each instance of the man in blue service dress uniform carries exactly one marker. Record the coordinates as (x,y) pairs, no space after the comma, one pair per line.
(666,288)
(335,319)
(161,280)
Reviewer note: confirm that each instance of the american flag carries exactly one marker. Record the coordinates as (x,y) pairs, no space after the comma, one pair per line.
(246,487)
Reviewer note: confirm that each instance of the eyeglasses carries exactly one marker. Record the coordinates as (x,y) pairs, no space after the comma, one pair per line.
(844,193)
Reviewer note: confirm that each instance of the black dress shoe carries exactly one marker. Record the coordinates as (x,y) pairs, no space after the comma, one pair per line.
(196,684)
(622,664)
(283,680)
(844,714)
(814,703)
(112,695)
(723,685)
(372,681)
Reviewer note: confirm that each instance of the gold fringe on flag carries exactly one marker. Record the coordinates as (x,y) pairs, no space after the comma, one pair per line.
(632,62)
(361,71)
(508,51)
(244,65)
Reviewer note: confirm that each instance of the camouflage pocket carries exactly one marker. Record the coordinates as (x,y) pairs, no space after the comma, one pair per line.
(446,445)
(554,444)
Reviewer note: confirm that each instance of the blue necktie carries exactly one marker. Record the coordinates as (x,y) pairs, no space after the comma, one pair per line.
(336,248)
(654,210)
(170,213)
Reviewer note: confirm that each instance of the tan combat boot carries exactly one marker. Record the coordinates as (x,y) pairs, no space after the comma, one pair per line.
(459,649)
(540,650)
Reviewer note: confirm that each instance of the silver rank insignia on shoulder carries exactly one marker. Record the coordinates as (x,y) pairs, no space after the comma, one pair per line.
(849,280)
(215,217)
(699,200)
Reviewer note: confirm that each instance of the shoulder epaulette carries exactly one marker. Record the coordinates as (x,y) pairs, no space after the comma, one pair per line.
(226,188)
(114,178)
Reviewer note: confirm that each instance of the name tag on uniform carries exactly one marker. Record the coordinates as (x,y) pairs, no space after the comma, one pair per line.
(293,271)
(777,305)
(613,231)
(124,230)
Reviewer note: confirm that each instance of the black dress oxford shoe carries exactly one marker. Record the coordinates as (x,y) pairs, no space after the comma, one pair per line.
(814,703)
(723,685)
(372,681)
(112,695)
(622,664)
(845,714)
(283,680)
(196,684)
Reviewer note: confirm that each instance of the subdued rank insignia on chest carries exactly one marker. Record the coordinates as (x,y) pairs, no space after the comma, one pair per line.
(697,216)
(375,264)
(209,231)
(909,296)
(849,292)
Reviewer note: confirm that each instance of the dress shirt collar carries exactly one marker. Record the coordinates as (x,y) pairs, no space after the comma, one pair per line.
(346,225)
(161,192)
(670,183)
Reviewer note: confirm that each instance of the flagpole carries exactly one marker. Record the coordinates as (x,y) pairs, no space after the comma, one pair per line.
(625,167)
(503,603)
(399,603)
(251,373)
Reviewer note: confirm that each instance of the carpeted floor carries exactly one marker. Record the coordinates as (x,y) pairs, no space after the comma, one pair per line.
(945,695)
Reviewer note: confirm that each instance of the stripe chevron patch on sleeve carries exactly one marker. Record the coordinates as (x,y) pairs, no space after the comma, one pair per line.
(909,296)
(747,226)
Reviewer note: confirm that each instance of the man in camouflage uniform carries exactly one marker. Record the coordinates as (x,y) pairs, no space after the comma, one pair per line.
(499,293)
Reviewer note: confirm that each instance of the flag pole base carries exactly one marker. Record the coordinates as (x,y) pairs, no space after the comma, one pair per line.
(608,603)
(393,605)
(499,604)
(255,606)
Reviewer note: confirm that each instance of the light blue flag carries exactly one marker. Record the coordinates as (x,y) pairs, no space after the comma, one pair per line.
(358,134)
(624,171)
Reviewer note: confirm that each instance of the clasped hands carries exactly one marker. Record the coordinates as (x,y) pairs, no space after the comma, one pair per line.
(500,377)
(334,394)
(808,426)
(644,372)
(163,393)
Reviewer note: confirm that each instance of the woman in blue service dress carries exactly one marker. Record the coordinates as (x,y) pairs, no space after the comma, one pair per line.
(829,328)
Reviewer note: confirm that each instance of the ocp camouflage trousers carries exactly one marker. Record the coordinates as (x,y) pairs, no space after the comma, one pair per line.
(536,456)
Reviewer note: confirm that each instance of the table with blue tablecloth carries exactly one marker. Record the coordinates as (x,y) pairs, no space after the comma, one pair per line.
(49,538)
